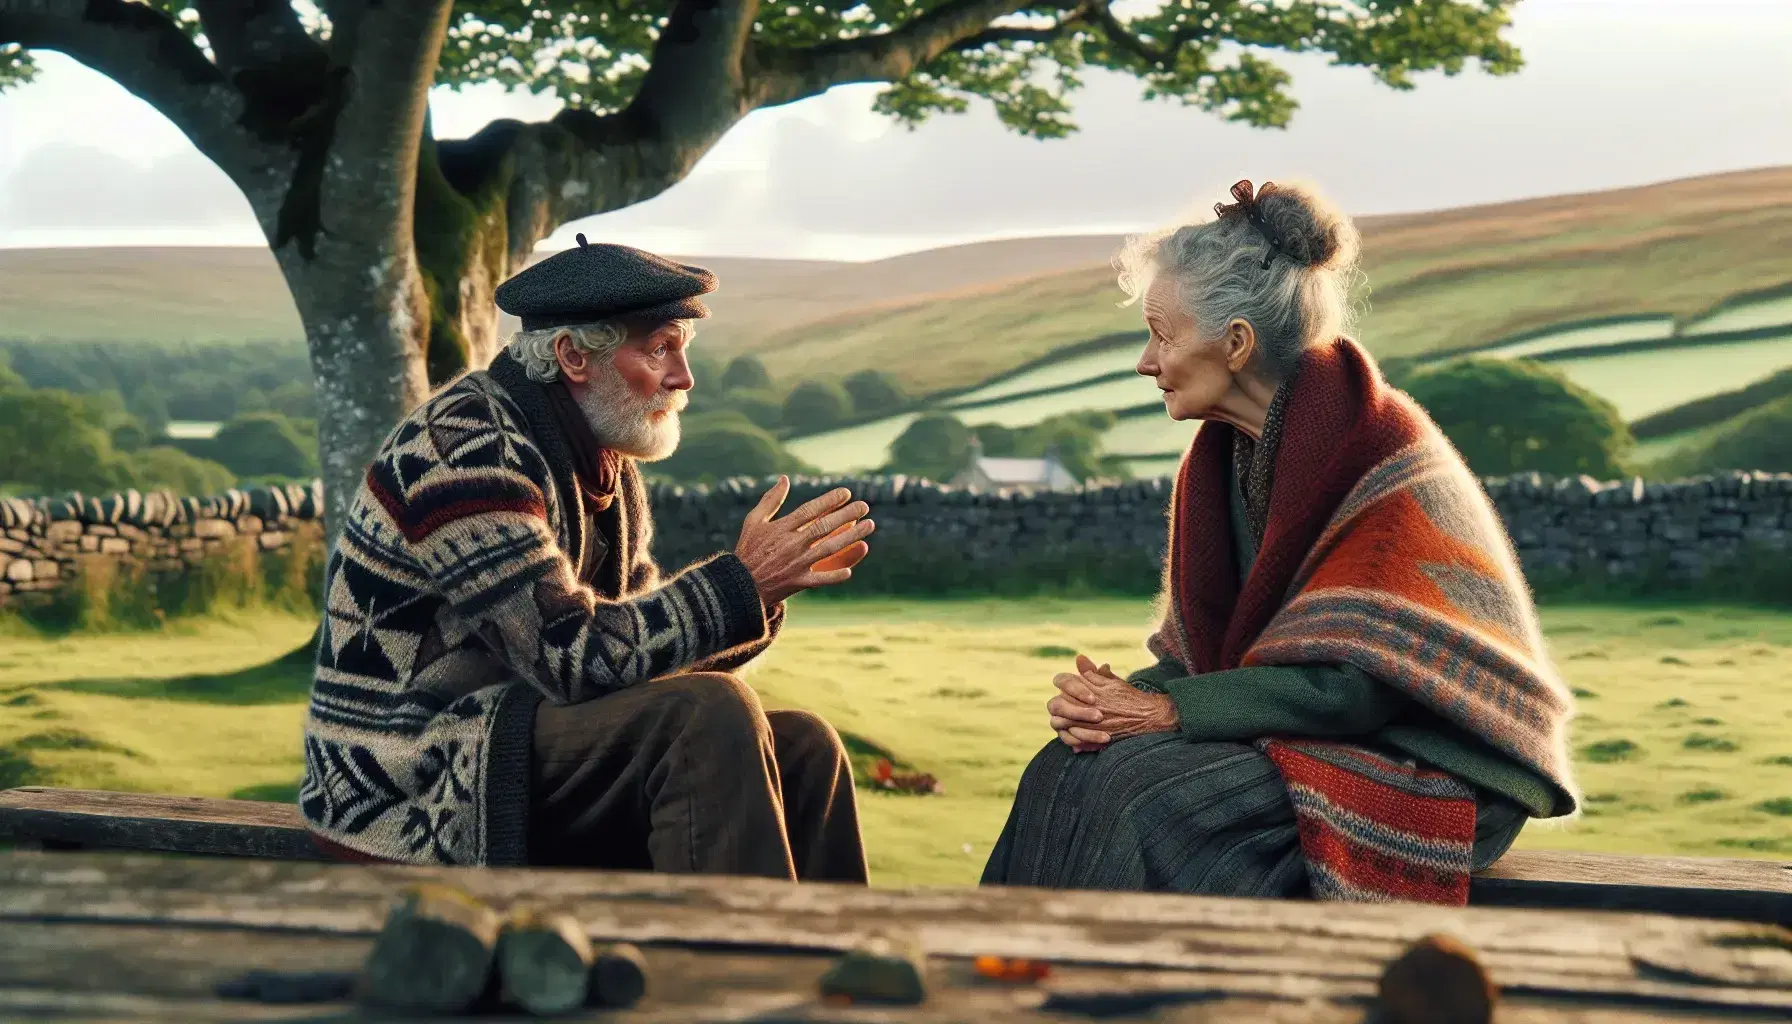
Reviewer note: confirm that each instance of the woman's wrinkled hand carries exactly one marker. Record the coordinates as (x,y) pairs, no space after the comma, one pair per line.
(1095,707)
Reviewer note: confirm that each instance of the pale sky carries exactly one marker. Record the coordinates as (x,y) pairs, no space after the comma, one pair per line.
(1615,93)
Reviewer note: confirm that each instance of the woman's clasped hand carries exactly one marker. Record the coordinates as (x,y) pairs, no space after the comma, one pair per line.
(1095,707)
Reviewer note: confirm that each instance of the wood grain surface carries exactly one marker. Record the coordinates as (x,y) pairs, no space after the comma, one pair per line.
(166,930)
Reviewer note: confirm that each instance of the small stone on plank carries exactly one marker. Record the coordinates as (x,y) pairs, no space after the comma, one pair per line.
(543,960)
(885,968)
(1438,980)
(618,977)
(435,953)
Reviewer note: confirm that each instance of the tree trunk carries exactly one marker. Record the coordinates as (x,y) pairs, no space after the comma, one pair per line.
(367,322)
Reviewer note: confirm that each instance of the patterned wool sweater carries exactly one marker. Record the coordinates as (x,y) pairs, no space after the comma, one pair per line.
(453,608)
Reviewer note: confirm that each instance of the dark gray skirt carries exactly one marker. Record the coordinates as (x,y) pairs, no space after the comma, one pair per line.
(1160,814)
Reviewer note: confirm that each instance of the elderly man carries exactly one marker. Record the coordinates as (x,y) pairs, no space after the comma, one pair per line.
(504,676)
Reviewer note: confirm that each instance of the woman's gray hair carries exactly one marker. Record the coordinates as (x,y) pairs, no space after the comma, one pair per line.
(1303,296)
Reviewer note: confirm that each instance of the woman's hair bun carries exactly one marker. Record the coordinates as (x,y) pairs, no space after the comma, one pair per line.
(1311,230)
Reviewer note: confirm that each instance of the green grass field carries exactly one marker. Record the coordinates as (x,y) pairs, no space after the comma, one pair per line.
(1640,383)
(1684,739)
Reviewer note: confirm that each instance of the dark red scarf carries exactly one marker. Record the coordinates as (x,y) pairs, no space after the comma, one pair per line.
(598,469)
(1342,420)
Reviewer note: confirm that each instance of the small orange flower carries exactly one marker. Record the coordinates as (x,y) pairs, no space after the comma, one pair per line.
(1011,969)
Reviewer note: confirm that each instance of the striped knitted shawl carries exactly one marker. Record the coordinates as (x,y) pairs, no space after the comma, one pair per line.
(1380,551)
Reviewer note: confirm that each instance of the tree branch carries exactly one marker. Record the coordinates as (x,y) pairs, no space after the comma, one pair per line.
(150,56)
(245,34)
(1048,34)
(1123,38)
(583,163)
(785,75)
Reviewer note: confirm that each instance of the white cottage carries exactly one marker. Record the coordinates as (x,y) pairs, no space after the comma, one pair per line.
(984,473)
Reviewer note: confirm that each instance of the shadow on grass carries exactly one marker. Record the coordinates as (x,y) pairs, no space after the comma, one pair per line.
(285,680)
(274,792)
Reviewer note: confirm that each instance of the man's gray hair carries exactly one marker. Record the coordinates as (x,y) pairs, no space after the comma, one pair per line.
(599,341)
(535,349)
(1304,295)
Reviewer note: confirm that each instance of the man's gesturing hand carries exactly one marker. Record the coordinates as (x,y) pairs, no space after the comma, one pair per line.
(814,546)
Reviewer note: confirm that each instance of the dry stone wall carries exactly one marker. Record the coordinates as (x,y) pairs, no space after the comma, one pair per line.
(43,541)
(1574,527)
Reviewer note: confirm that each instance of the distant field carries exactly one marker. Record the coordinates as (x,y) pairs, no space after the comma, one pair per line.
(1748,317)
(1441,281)
(1578,337)
(1684,742)
(1119,359)
(1154,433)
(146,294)
(1640,383)
(854,448)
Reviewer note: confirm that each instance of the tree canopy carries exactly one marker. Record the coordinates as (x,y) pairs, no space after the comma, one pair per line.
(933,447)
(816,405)
(1516,416)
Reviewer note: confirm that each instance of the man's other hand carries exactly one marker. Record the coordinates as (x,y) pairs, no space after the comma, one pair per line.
(815,546)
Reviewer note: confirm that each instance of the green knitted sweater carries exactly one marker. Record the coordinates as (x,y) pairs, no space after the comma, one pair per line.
(1336,702)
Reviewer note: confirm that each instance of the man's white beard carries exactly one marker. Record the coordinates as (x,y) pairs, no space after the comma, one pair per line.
(624,423)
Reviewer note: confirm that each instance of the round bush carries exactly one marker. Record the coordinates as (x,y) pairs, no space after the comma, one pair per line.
(760,407)
(745,372)
(1516,416)
(1760,439)
(724,445)
(815,406)
(51,444)
(263,444)
(934,447)
(164,468)
(874,391)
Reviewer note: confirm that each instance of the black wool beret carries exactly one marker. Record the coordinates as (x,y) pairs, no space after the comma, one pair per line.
(595,282)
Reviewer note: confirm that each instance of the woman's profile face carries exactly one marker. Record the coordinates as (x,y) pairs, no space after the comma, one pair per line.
(1191,372)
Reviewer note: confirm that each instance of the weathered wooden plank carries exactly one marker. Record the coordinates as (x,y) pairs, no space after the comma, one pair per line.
(156,973)
(1740,890)
(141,821)
(1550,952)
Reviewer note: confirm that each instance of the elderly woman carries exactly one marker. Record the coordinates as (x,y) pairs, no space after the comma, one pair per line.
(1351,698)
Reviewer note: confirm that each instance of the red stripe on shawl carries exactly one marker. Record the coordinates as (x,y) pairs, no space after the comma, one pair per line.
(1360,794)
(1447,823)
(442,515)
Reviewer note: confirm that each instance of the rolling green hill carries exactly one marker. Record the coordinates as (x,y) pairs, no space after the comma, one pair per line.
(1439,282)
(1654,297)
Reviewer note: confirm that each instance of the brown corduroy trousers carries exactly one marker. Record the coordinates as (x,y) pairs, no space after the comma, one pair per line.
(690,774)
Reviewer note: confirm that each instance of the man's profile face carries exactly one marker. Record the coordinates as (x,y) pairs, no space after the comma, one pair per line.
(652,361)
(632,400)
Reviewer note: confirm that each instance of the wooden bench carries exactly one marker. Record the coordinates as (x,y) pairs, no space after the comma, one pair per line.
(151,938)
(75,819)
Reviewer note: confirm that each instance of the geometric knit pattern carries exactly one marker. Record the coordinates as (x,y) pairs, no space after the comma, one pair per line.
(452,608)
(1381,551)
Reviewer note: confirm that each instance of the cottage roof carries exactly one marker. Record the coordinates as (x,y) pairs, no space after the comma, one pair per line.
(1011,471)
